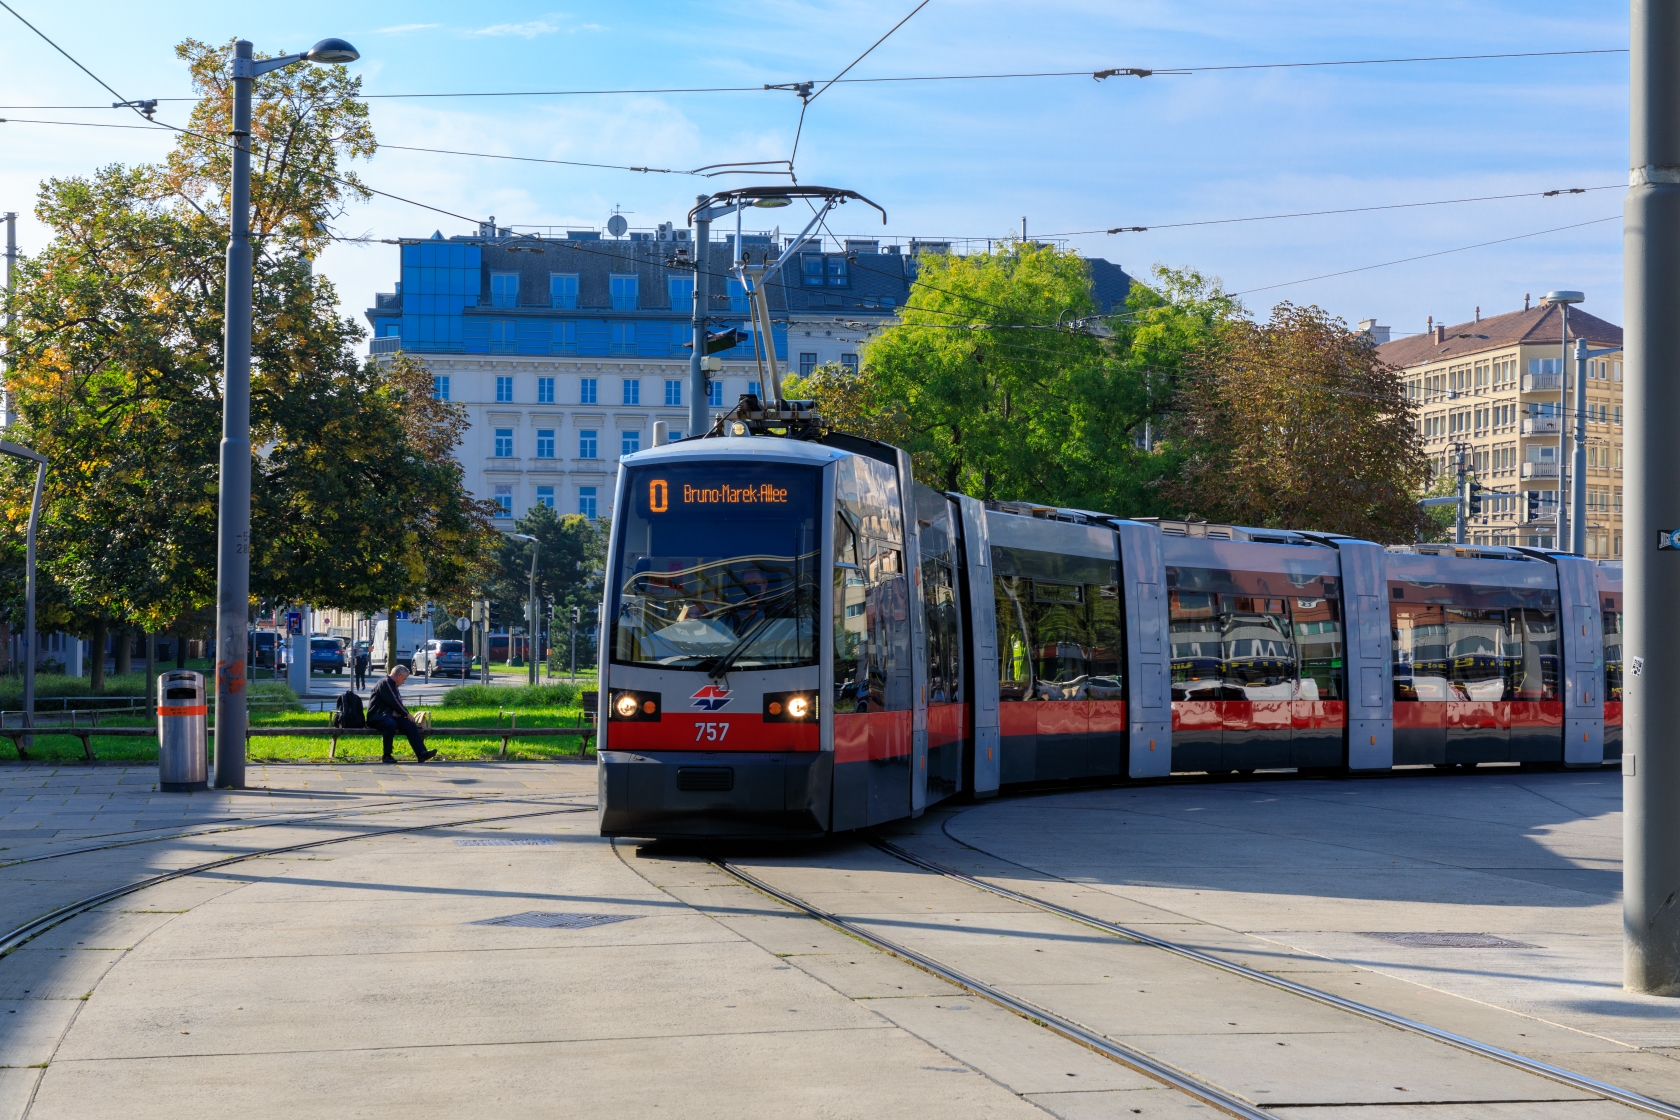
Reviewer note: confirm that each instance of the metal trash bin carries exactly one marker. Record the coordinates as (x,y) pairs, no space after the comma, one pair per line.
(183,762)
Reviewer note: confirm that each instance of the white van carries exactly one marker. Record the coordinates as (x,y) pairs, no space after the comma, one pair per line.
(412,634)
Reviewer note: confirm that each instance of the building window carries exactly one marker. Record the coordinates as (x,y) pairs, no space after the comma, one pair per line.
(849,361)
(623,338)
(737,296)
(565,338)
(545,390)
(563,290)
(807,364)
(756,389)
(504,334)
(682,293)
(673,393)
(440,386)
(1618,414)
(504,289)
(624,293)
(504,443)
(545,496)
(586,501)
(391,330)
(587,390)
(632,390)
(812,264)
(714,393)
(504,502)
(545,443)
(837,272)
(586,444)
(629,443)
(504,390)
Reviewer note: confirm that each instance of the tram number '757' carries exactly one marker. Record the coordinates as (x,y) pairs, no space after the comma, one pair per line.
(710,732)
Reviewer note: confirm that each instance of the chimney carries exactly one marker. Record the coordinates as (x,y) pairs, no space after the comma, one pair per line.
(1525,301)
(1440,334)
(1478,314)
(1379,334)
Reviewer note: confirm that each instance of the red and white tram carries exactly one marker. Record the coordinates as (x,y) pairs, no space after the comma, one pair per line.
(798,638)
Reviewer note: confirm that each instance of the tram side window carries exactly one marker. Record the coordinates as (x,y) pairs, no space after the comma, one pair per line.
(1057,640)
(944,644)
(871,624)
(1318,641)
(1532,660)
(1418,651)
(1257,647)
(1612,651)
(1196,636)
(1478,653)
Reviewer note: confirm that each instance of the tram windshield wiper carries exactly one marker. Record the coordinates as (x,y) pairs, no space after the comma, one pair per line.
(723,664)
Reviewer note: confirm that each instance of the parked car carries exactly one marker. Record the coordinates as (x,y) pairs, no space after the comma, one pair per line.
(441,657)
(263,646)
(326,655)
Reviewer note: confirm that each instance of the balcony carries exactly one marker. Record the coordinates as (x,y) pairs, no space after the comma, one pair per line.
(1540,425)
(1542,382)
(1539,470)
(387,345)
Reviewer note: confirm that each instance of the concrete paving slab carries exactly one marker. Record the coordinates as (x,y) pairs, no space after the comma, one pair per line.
(869,975)
(1024,1057)
(1364,1067)
(1158,1104)
(29,973)
(17,1087)
(30,1029)
(861,1074)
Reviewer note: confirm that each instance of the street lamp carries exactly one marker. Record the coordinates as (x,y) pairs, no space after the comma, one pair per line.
(1563,299)
(233,530)
(534,624)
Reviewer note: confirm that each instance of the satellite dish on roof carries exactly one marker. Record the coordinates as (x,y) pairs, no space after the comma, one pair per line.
(616,225)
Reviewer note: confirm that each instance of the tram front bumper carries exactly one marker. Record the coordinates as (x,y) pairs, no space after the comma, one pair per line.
(715,795)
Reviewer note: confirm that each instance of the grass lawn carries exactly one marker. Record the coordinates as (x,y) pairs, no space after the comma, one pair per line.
(489,707)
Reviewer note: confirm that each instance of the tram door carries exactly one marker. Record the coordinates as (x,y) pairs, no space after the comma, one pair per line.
(942,614)
(871,695)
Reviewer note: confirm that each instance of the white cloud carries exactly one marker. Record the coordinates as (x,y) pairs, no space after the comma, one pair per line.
(530,29)
(405,28)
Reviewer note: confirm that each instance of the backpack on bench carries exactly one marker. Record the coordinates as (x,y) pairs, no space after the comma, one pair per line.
(349,712)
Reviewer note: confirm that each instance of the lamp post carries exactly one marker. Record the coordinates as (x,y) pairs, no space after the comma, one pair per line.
(1564,299)
(534,624)
(233,528)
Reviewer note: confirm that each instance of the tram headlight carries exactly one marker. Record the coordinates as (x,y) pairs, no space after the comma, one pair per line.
(790,707)
(631,705)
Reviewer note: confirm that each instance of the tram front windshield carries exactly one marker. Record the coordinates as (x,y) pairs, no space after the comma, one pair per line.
(717,567)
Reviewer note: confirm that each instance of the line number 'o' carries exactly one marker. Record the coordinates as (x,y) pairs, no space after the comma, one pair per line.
(659,496)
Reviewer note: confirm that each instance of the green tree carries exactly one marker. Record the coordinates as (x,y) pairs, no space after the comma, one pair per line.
(116,353)
(1296,423)
(570,555)
(1001,380)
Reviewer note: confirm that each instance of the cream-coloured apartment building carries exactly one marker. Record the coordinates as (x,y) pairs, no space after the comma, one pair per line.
(1492,390)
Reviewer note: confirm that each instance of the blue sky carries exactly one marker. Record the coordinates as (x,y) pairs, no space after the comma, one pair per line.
(966,159)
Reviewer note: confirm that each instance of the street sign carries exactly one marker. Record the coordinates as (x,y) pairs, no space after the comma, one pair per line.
(402,615)
(294,622)
(1668,539)
(463,623)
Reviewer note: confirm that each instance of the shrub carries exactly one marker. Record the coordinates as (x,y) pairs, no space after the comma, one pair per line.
(510,696)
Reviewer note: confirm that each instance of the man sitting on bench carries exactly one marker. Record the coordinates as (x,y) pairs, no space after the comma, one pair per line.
(387,713)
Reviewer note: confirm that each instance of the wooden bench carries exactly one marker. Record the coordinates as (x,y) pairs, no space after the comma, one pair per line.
(86,734)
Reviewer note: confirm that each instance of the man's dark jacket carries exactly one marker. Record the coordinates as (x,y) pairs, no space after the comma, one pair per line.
(386,701)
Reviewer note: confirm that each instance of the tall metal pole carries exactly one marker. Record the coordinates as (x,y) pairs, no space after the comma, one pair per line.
(1463,501)
(699,418)
(233,531)
(531,609)
(1651,711)
(1562,541)
(1578,461)
(11,289)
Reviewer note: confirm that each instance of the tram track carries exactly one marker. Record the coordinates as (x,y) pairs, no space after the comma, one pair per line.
(21,935)
(1388,1018)
(1127,1056)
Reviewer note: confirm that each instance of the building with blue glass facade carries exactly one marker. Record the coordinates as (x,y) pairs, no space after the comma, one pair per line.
(566,346)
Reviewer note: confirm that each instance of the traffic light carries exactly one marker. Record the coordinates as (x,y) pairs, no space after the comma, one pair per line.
(1475,502)
(1533,509)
